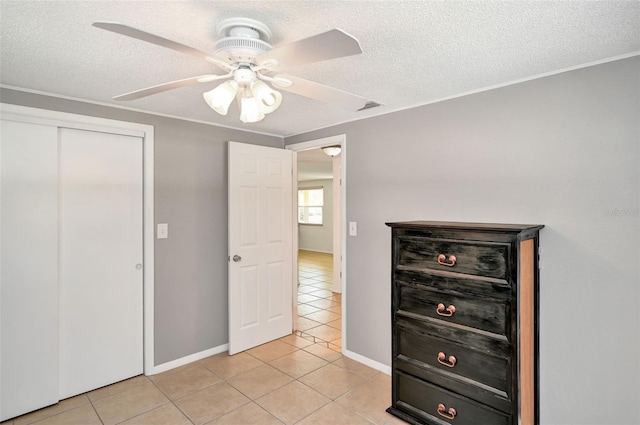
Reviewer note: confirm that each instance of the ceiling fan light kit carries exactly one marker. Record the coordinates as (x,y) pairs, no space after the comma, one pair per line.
(244,53)
(255,98)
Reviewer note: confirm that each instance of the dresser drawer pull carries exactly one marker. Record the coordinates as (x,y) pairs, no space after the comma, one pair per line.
(442,259)
(449,414)
(449,310)
(450,362)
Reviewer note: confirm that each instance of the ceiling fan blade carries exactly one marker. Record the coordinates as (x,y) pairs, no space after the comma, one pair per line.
(320,92)
(161,41)
(328,45)
(168,86)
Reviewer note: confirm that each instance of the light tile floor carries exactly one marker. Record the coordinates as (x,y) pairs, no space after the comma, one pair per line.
(299,379)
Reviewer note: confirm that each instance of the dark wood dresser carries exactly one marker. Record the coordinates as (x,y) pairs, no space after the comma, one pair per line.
(465,327)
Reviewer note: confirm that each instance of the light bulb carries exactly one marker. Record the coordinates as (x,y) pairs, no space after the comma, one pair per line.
(221,97)
(250,110)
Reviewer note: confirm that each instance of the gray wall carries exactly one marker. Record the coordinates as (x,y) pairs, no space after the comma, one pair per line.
(191,195)
(318,238)
(563,151)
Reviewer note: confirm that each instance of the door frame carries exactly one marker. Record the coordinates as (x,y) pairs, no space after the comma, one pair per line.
(337,140)
(146,132)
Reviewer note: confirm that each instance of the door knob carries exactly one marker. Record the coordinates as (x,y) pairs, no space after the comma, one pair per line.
(138,266)
(237,258)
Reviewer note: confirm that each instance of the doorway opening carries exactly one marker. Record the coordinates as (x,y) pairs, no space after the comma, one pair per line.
(318,292)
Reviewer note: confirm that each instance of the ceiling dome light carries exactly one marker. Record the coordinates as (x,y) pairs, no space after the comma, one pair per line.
(221,97)
(268,99)
(332,150)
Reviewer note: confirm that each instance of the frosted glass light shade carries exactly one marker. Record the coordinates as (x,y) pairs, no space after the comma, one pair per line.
(332,150)
(268,99)
(250,110)
(221,97)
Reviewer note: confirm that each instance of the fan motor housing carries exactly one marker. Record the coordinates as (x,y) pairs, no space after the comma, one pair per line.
(242,40)
(240,49)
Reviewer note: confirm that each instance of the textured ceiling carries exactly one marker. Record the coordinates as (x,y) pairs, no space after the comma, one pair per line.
(415,52)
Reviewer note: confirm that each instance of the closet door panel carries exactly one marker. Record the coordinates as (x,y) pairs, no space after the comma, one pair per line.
(100,259)
(28,268)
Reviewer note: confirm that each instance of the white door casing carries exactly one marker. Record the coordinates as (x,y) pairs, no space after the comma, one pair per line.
(101,284)
(337,224)
(260,244)
(294,241)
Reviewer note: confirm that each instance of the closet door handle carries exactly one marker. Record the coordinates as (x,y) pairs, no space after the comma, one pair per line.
(449,414)
(450,262)
(440,310)
(450,362)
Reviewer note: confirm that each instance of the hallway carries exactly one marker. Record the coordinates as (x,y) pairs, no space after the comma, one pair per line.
(319,309)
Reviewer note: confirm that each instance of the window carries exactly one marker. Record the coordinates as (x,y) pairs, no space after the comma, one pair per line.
(310,201)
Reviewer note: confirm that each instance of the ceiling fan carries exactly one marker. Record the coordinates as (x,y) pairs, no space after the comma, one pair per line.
(246,57)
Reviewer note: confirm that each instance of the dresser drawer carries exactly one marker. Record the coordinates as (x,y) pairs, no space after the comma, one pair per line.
(484,313)
(489,259)
(452,358)
(436,405)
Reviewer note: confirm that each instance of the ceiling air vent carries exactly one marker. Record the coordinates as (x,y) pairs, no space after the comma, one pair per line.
(370,104)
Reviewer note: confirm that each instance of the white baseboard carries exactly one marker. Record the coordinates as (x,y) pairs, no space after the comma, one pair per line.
(187,359)
(367,361)
(225,347)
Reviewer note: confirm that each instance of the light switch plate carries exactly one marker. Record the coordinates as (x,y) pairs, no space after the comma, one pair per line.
(353,228)
(163,231)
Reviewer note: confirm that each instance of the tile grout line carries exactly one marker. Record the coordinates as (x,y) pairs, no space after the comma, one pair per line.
(94,409)
(171,401)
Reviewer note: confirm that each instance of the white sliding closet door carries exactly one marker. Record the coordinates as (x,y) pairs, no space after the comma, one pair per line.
(28,267)
(101,257)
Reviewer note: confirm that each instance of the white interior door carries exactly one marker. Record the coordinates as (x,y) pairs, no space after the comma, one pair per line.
(28,267)
(100,259)
(260,243)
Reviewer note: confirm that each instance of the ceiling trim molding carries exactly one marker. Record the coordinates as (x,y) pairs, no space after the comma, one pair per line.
(480,90)
(127,108)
